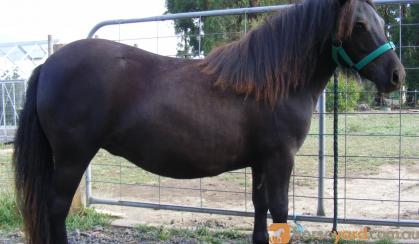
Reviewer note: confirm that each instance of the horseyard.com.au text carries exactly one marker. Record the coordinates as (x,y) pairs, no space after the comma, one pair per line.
(365,234)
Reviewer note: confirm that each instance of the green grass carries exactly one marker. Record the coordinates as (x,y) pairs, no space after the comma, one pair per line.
(6,173)
(85,219)
(367,135)
(10,218)
(368,123)
(199,234)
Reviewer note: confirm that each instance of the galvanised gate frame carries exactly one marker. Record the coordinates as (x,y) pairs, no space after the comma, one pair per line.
(90,199)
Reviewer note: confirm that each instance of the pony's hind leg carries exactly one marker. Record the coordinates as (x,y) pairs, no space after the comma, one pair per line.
(70,164)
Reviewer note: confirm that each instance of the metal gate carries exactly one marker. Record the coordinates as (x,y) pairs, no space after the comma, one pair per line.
(378,186)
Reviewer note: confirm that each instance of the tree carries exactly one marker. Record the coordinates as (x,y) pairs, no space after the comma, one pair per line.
(188,29)
(410,40)
(217,30)
(410,33)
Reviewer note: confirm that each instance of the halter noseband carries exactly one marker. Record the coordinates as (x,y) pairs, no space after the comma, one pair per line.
(339,52)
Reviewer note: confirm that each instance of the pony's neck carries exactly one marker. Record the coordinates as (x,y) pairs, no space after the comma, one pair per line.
(325,69)
(287,53)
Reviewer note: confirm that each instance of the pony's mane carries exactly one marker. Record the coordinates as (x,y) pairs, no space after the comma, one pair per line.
(280,55)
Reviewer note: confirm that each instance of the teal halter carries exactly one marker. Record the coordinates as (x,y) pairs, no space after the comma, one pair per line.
(338,51)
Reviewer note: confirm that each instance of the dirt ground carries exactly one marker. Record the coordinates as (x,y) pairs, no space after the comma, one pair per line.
(385,206)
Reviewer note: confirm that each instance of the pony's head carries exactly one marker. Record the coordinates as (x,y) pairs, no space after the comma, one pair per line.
(361,44)
(285,53)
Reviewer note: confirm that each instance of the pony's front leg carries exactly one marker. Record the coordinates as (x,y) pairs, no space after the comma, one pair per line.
(260,202)
(278,172)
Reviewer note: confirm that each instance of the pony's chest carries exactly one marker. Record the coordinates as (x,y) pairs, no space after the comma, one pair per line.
(291,122)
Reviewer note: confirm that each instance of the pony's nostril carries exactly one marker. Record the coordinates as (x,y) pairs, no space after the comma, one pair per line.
(396,78)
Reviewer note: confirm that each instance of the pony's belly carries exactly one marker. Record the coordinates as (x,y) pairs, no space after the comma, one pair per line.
(181,166)
(184,169)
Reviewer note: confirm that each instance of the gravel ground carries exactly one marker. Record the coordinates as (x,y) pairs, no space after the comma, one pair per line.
(114,235)
(10,238)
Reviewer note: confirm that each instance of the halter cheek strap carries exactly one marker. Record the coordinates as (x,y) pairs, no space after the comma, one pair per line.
(339,52)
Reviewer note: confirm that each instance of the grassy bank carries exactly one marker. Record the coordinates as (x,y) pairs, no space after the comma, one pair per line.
(85,219)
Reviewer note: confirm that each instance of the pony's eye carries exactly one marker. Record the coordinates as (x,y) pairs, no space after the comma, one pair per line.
(360,27)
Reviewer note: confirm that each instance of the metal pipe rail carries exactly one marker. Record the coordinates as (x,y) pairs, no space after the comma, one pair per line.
(318,219)
(222,12)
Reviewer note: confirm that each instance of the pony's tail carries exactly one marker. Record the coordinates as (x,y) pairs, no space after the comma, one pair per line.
(33,165)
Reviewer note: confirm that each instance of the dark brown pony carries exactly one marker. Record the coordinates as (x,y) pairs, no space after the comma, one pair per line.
(248,104)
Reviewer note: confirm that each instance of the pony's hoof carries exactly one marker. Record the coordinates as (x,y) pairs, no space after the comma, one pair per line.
(260,238)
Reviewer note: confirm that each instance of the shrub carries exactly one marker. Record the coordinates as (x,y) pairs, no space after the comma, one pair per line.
(348,93)
(368,93)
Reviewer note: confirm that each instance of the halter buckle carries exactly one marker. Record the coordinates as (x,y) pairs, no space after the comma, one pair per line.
(337,43)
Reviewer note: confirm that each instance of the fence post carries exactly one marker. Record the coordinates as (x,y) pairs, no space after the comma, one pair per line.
(50,45)
(322,110)
(3,117)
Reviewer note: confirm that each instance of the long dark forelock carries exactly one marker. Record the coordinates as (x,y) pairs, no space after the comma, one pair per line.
(279,56)
(347,19)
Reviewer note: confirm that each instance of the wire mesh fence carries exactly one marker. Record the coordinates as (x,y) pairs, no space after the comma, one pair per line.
(12,97)
(379,170)
(378,180)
